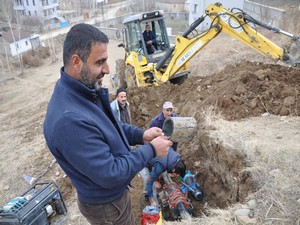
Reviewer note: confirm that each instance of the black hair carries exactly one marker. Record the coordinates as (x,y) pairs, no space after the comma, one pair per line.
(80,40)
(180,168)
(119,90)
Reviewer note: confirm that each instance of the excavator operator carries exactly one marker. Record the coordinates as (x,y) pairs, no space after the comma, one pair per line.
(150,39)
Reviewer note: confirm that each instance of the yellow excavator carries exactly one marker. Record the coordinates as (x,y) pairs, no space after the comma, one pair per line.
(171,62)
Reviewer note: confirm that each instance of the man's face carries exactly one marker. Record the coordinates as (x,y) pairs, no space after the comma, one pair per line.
(147,28)
(167,112)
(122,98)
(93,71)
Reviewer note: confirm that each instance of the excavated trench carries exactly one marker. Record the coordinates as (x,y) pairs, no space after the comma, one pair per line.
(239,91)
(219,170)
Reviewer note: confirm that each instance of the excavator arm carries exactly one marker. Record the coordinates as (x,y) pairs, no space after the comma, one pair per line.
(236,24)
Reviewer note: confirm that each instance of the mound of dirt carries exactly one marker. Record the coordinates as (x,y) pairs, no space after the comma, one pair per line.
(239,91)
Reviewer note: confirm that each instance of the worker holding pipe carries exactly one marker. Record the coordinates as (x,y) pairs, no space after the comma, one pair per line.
(158,121)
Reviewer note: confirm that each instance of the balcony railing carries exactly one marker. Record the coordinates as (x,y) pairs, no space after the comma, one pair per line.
(49,2)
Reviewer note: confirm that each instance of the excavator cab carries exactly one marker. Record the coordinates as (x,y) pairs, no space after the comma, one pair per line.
(138,67)
(163,62)
(134,39)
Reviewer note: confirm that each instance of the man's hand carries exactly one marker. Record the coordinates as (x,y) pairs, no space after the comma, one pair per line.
(152,133)
(149,42)
(161,145)
(152,201)
(156,137)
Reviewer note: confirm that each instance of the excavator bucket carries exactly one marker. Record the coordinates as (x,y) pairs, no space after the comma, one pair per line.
(297,50)
(293,49)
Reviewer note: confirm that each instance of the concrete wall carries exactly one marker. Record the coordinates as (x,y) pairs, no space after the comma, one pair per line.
(112,33)
(177,15)
(270,15)
(167,7)
(113,22)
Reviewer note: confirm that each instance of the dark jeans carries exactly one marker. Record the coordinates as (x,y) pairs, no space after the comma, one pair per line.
(117,212)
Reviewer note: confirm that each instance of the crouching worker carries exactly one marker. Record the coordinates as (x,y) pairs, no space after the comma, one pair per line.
(172,163)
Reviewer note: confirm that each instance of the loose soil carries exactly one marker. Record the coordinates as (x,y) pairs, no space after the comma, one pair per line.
(240,91)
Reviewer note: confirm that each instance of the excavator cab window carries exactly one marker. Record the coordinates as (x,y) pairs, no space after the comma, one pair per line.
(133,37)
(135,41)
(158,29)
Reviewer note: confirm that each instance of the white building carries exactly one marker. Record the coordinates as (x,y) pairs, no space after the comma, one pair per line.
(41,10)
(197,9)
(17,42)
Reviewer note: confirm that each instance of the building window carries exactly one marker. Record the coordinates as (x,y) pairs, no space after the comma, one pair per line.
(35,13)
(33,2)
(26,42)
(195,8)
(29,13)
(45,2)
(45,12)
(27,2)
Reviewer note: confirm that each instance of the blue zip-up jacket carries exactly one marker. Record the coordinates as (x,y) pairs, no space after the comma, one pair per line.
(159,165)
(90,144)
(158,121)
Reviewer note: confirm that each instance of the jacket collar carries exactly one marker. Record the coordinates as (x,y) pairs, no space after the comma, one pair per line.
(79,87)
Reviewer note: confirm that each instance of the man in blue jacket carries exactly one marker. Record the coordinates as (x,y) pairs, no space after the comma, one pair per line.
(150,39)
(90,144)
(158,121)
